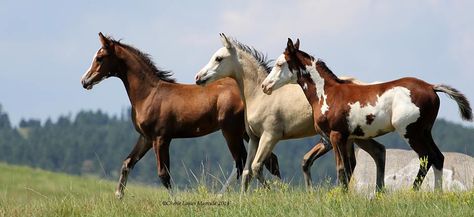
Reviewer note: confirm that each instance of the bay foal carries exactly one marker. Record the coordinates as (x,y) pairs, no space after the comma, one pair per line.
(346,111)
(163,110)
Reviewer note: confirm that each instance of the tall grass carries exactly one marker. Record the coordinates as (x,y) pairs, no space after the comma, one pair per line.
(31,192)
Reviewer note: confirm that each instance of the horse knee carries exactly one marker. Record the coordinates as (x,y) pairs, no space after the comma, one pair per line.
(256,168)
(126,167)
(305,165)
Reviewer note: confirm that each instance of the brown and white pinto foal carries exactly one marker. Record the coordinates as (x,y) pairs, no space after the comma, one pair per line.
(347,111)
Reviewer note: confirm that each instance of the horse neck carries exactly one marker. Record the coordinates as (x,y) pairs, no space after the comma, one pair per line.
(315,82)
(250,77)
(137,79)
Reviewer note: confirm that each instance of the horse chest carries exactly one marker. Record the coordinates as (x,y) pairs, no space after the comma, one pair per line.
(144,122)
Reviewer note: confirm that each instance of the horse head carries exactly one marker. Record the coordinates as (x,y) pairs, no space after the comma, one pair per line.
(223,63)
(283,72)
(104,64)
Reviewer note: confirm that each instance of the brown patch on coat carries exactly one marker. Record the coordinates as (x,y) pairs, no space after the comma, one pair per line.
(369,119)
(358,131)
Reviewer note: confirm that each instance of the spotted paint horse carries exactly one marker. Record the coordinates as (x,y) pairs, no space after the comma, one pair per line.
(346,111)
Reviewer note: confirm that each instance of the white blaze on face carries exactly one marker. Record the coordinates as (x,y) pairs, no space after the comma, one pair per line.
(393,110)
(319,82)
(90,67)
(280,74)
(210,71)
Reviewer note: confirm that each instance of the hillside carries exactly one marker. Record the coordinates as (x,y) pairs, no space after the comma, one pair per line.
(95,143)
(33,192)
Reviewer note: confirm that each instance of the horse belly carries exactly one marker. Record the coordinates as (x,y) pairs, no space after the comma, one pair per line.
(378,127)
(272,113)
(195,130)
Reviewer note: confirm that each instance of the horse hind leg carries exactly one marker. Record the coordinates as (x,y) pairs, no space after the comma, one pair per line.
(339,143)
(438,162)
(161,148)
(423,145)
(317,151)
(239,154)
(246,174)
(378,153)
(271,163)
(237,149)
(141,148)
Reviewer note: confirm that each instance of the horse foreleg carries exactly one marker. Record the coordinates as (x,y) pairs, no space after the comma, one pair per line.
(339,143)
(141,148)
(161,147)
(237,149)
(317,151)
(352,159)
(265,148)
(377,152)
(247,175)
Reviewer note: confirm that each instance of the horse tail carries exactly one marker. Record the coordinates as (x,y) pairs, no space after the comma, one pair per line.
(461,100)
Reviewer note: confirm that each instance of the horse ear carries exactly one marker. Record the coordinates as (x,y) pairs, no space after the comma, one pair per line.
(225,41)
(290,47)
(105,41)
(297,44)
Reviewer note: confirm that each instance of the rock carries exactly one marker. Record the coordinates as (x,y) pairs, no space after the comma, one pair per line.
(401,169)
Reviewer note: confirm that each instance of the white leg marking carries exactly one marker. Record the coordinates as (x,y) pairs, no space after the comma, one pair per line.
(438,175)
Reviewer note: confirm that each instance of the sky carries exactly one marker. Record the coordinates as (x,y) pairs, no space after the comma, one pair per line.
(46,46)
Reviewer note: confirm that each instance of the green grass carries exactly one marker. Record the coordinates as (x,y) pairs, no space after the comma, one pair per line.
(31,192)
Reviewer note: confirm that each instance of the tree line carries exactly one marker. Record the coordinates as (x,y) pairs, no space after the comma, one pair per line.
(95,143)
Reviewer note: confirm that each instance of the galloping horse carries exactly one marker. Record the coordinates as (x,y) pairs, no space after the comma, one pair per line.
(163,110)
(347,111)
(284,115)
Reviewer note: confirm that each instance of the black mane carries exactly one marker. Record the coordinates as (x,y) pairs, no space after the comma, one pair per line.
(161,74)
(259,56)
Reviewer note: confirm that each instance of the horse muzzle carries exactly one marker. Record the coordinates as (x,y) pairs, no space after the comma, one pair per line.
(86,84)
(267,88)
(201,80)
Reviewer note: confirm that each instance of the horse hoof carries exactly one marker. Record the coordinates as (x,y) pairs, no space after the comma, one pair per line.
(119,195)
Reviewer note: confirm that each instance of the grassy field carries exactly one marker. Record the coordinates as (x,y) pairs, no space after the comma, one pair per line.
(31,192)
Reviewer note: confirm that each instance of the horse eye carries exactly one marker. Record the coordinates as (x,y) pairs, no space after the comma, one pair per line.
(218,59)
(98,59)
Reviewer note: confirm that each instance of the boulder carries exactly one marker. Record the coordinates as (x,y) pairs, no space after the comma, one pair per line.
(402,166)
